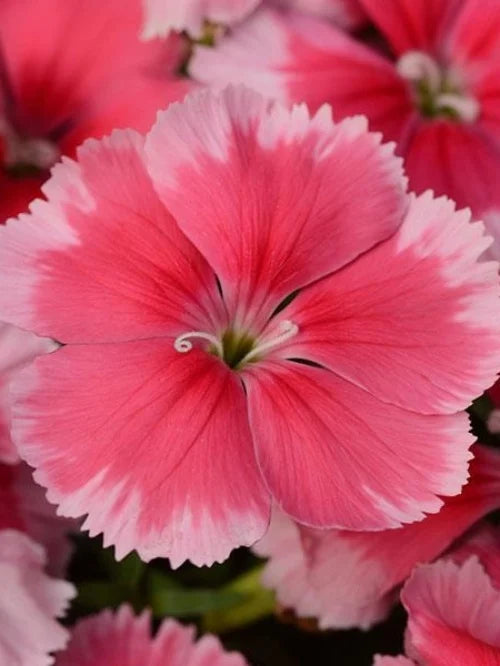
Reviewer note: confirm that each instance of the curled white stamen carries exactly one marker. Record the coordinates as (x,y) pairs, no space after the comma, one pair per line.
(183,344)
(288,330)
(467,108)
(416,65)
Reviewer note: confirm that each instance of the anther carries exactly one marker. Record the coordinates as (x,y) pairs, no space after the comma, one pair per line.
(183,343)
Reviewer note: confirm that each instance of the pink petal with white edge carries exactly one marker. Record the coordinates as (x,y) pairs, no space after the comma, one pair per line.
(288,572)
(261,190)
(23,507)
(153,445)
(103,244)
(29,604)
(122,639)
(17,348)
(350,579)
(453,615)
(415,321)
(392,661)
(484,543)
(162,16)
(333,455)
(411,25)
(294,58)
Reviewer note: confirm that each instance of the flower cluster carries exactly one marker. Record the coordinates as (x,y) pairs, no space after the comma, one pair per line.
(247,298)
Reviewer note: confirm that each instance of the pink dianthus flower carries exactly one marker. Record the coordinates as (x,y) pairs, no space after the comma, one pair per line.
(121,639)
(251,307)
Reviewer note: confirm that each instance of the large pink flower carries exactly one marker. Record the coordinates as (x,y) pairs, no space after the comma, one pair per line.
(163,16)
(350,579)
(69,70)
(437,95)
(17,348)
(190,390)
(121,639)
(23,507)
(30,602)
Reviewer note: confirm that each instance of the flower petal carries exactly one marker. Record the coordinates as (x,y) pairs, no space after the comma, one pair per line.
(152,444)
(17,348)
(346,13)
(350,579)
(456,159)
(335,456)
(475,36)
(162,16)
(103,244)
(453,614)
(271,197)
(412,24)
(29,604)
(484,543)
(23,507)
(295,58)
(392,661)
(121,638)
(415,321)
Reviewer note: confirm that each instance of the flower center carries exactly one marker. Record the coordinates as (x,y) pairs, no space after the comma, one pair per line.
(236,349)
(438,91)
(27,156)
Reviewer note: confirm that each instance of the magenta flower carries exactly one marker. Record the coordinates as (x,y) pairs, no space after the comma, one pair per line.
(69,70)
(192,386)
(121,639)
(351,579)
(29,604)
(436,92)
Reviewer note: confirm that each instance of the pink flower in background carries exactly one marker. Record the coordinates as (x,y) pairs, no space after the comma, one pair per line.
(351,579)
(437,94)
(190,390)
(121,639)
(85,73)
(17,349)
(30,602)
(164,16)
(453,615)
(23,507)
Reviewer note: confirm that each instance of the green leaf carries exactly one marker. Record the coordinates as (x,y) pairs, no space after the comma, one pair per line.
(255,603)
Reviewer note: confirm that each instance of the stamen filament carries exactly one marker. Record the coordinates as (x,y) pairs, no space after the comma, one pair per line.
(182,343)
(288,330)
(466,108)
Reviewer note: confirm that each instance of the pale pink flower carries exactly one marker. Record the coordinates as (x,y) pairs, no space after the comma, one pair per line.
(121,639)
(393,661)
(30,602)
(351,579)
(17,348)
(71,69)
(182,401)
(165,16)
(453,615)
(23,507)
(436,92)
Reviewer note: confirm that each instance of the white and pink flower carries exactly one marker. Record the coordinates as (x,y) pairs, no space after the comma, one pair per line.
(122,639)
(191,387)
